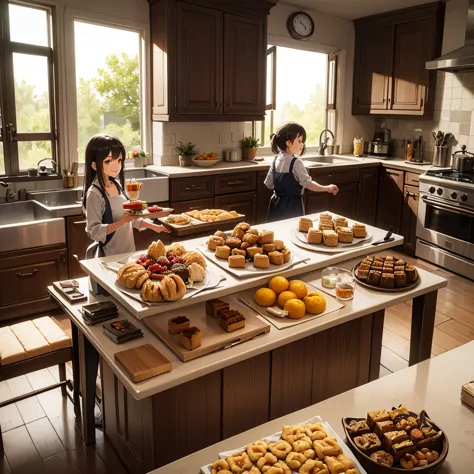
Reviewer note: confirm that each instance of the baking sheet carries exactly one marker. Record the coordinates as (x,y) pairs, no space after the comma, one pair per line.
(276,436)
(332,304)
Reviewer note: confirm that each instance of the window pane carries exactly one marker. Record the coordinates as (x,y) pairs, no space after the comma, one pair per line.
(108,84)
(2,159)
(29,25)
(29,153)
(31,93)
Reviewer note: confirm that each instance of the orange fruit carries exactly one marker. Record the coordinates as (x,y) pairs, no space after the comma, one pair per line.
(315,303)
(299,288)
(284,297)
(278,284)
(296,308)
(265,297)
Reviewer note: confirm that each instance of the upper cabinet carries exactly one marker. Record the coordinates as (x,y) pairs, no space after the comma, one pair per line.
(209,59)
(390,76)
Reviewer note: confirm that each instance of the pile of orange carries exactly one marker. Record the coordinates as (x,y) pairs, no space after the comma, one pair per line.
(292,296)
(206,156)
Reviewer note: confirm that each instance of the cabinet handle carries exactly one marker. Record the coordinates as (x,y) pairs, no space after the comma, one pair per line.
(409,195)
(192,188)
(79,222)
(235,183)
(26,275)
(197,208)
(63,257)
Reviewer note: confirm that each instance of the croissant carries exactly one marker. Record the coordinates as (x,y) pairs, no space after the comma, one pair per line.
(176,249)
(194,257)
(127,270)
(151,291)
(196,272)
(172,287)
(156,250)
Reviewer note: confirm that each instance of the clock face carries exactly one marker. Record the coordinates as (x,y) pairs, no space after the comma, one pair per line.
(303,25)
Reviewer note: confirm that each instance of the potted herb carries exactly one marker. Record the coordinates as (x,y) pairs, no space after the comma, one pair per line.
(139,156)
(186,153)
(249,145)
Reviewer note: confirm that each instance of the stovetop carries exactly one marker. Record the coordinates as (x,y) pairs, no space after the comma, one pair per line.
(452,175)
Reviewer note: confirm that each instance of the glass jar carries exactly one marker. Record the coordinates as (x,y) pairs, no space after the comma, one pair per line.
(132,189)
(329,277)
(345,285)
(358,146)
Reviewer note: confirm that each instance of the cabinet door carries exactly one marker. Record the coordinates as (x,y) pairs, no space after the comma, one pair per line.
(185,189)
(367,195)
(77,243)
(372,69)
(409,218)
(316,202)
(243,203)
(263,198)
(390,199)
(344,202)
(414,45)
(244,64)
(198,60)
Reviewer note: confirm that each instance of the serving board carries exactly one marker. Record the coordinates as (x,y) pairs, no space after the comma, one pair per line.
(276,436)
(214,338)
(332,304)
(150,215)
(143,362)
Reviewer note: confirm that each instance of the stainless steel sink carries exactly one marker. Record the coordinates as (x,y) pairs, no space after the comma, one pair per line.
(141,174)
(155,186)
(329,160)
(28,224)
(59,203)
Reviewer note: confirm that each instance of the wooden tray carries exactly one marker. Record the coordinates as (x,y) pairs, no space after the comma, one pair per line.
(197,226)
(214,338)
(387,290)
(150,215)
(372,467)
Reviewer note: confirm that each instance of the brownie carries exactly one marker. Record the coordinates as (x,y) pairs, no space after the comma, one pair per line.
(394,437)
(387,280)
(387,270)
(399,268)
(401,411)
(400,449)
(377,265)
(382,427)
(362,274)
(364,266)
(214,306)
(374,277)
(375,416)
(410,272)
(368,443)
(357,428)
(400,262)
(400,279)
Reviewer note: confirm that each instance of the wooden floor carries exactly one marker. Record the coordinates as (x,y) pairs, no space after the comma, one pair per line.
(39,433)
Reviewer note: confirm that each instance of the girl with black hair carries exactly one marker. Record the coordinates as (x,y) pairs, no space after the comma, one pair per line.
(287,176)
(107,223)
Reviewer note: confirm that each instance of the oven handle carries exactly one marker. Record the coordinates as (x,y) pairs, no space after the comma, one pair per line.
(447,206)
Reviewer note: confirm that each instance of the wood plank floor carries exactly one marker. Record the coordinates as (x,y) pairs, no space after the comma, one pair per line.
(40,433)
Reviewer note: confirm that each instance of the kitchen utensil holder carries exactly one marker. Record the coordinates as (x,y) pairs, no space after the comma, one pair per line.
(441,157)
(69,181)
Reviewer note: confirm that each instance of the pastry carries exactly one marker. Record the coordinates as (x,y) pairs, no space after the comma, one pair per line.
(378,259)
(374,278)
(236,261)
(377,264)
(409,461)
(178,219)
(254,231)
(399,268)
(172,287)
(313,467)
(292,433)
(430,455)
(233,242)
(256,450)
(191,338)
(245,245)
(362,274)
(382,427)
(142,280)
(410,272)
(178,324)
(286,255)
(127,275)
(214,242)
(180,270)
(220,465)
(315,236)
(266,461)
(151,292)
(387,280)
(368,443)
(239,462)
(357,428)
(220,234)
(280,449)
(223,251)
(315,431)
(213,307)
(196,272)
(400,279)
(345,235)
(400,449)
(330,238)
(416,435)
(192,256)
(268,248)
(401,411)
(387,270)
(276,257)
(304,224)
(239,252)
(406,424)
(394,437)
(176,249)
(377,415)
(231,320)
(389,258)
(338,465)
(295,460)
(324,227)
(156,250)
(382,458)
(400,263)
(266,237)
(252,251)
(244,226)
(368,260)
(279,244)
(238,232)
(261,261)
(279,467)
(305,447)
(340,222)
(252,239)
(327,447)
(359,230)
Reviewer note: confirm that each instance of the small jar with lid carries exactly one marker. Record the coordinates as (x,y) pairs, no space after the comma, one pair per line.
(329,277)
(345,285)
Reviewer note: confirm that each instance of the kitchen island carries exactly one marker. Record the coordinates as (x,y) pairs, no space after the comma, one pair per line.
(221,394)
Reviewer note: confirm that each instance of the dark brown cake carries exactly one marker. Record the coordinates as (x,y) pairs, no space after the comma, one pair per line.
(399,268)
(377,265)
(400,262)
(400,449)
(364,266)
(400,279)
(387,280)
(394,437)
(387,270)
(214,306)
(357,428)
(362,274)
(374,277)
(382,427)
(368,443)
(181,270)
(410,271)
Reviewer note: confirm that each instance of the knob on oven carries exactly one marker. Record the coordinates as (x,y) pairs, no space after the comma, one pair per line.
(432,189)
(439,191)
(464,197)
(454,196)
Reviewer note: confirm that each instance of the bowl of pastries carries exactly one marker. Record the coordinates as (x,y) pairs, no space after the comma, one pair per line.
(386,273)
(213,215)
(392,441)
(162,273)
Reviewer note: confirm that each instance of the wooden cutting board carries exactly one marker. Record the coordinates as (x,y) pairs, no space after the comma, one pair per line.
(143,362)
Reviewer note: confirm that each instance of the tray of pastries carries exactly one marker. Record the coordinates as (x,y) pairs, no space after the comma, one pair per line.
(386,273)
(305,448)
(392,441)
(330,233)
(214,215)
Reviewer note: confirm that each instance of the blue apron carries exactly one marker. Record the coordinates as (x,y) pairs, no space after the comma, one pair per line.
(286,201)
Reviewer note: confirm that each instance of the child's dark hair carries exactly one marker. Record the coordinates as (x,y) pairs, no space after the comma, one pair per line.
(97,150)
(289,131)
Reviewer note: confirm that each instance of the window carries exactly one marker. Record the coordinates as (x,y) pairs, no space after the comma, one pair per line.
(296,91)
(27,111)
(107,83)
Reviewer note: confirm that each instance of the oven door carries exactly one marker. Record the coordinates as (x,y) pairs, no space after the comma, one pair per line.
(447,226)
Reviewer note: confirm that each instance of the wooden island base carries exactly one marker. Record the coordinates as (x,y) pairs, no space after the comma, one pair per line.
(157,430)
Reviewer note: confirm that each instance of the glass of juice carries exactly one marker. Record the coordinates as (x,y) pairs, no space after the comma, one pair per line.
(132,189)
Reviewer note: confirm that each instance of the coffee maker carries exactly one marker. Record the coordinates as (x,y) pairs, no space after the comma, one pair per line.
(381,144)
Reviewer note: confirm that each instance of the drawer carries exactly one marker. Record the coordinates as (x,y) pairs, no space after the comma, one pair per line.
(236,182)
(185,189)
(334,176)
(412,179)
(243,203)
(195,205)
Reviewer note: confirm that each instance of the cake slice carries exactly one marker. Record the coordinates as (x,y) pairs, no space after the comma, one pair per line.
(214,306)
(231,320)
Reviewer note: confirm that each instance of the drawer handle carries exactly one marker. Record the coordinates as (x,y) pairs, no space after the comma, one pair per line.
(197,208)
(192,188)
(409,195)
(235,183)
(27,275)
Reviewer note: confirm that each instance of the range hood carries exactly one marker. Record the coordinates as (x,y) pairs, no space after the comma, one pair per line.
(461,58)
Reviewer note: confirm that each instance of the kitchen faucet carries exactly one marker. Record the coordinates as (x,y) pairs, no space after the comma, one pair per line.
(323,146)
(55,165)
(2,183)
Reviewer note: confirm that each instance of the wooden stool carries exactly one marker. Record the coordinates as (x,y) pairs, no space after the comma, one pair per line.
(30,346)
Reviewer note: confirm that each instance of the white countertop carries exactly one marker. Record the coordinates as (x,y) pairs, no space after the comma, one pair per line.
(434,385)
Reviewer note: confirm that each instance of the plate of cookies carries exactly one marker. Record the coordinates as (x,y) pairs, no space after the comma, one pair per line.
(386,273)
(397,440)
(308,447)
(248,251)
(330,233)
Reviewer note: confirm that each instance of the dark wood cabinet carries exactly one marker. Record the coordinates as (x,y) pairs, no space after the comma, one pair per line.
(367,195)
(230,183)
(243,203)
(263,197)
(77,243)
(344,203)
(390,199)
(409,218)
(185,189)
(390,75)
(316,202)
(335,176)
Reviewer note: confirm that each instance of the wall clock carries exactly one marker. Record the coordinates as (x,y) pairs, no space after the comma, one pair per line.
(300,25)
